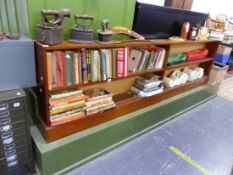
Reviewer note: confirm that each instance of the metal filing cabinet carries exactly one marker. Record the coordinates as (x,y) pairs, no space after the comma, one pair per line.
(15,142)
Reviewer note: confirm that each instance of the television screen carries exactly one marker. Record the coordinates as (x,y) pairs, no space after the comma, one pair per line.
(157,22)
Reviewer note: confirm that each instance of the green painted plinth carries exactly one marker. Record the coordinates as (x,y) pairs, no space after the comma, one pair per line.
(62,155)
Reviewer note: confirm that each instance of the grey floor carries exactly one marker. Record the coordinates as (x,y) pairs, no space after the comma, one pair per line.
(205,134)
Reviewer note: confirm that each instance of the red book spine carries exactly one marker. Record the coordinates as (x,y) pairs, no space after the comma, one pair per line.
(120,62)
(59,69)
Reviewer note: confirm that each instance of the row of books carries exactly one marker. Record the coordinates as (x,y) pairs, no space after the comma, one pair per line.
(65,68)
(72,105)
(147,86)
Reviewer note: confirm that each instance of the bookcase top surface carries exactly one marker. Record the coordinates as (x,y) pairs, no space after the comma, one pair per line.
(120,43)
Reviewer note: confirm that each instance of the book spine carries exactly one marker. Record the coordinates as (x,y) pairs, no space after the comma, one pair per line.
(84,66)
(114,62)
(88,56)
(69,68)
(103,64)
(49,70)
(60,69)
(120,62)
(126,61)
(54,83)
(94,65)
(76,68)
(99,65)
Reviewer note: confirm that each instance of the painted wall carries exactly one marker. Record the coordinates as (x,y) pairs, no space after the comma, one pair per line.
(119,12)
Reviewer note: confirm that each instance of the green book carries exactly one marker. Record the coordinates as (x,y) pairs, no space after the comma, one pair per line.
(69,68)
(114,63)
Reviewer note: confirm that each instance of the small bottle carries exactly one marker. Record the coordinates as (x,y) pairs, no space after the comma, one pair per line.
(185,30)
(192,34)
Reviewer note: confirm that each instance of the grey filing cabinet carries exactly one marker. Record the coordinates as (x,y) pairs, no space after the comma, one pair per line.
(17,64)
(15,140)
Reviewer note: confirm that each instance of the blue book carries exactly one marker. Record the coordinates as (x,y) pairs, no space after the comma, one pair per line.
(103,64)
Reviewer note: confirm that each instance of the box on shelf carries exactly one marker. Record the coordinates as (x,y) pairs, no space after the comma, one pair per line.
(224,50)
(222,58)
(217,73)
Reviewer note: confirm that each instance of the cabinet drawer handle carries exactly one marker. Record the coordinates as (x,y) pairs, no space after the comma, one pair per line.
(4,114)
(16,104)
(4,107)
(5,121)
(9,146)
(8,141)
(13,163)
(5,128)
(6,135)
(12,157)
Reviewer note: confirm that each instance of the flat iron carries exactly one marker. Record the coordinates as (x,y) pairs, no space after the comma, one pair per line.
(104,35)
(50,31)
(82,32)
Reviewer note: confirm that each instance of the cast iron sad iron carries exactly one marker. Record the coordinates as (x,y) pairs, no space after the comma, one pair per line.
(82,32)
(105,35)
(50,31)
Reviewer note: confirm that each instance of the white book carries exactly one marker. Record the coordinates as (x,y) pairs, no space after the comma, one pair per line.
(94,65)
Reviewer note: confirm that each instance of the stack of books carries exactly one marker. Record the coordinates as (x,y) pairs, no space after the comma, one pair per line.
(98,100)
(147,86)
(66,106)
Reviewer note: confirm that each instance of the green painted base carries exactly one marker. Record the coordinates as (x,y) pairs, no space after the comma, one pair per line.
(62,155)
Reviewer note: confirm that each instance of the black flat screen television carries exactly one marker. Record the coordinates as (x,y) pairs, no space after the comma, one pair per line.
(156,22)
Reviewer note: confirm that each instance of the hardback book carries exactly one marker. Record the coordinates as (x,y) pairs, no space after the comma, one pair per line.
(94,65)
(66,100)
(134,59)
(146,61)
(84,66)
(69,68)
(109,63)
(66,94)
(144,94)
(67,118)
(120,62)
(151,61)
(114,63)
(60,69)
(144,55)
(76,67)
(126,61)
(96,94)
(53,64)
(49,70)
(103,64)
(88,58)
(161,58)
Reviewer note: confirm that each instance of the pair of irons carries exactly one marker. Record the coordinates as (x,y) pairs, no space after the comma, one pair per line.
(50,31)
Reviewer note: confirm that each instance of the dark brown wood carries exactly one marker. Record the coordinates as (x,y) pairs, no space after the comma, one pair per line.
(180,4)
(187,4)
(125,102)
(174,3)
(128,105)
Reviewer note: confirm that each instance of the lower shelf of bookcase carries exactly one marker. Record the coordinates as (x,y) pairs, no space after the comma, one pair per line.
(125,104)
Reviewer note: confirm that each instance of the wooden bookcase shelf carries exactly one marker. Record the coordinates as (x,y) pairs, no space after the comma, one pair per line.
(189,63)
(125,102)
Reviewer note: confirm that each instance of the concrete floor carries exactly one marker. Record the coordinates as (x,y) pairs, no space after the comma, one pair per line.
(205,134)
